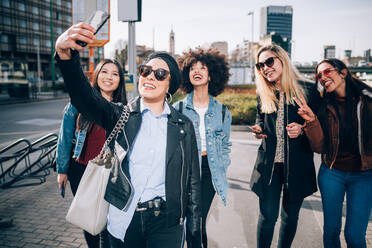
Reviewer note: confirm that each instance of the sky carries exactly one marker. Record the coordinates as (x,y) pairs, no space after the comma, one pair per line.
(344,23)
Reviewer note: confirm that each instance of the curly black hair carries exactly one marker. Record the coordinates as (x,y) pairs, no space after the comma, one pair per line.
(216,63)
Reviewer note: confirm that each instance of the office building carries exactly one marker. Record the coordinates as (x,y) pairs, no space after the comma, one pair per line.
(329,52)
(27,36)
(277,21)
(221,46)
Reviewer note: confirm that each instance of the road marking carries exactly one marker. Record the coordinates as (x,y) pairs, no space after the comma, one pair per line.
(246,142)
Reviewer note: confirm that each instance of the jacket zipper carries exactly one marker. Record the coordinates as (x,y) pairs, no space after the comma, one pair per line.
(130,184)
(287,162)
(338,141)
(181,217)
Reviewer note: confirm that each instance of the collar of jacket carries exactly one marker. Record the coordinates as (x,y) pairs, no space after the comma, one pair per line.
(190,102)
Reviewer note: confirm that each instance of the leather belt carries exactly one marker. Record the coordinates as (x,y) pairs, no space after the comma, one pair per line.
(155,204)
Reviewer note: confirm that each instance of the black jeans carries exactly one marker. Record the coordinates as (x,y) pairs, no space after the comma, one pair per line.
(269,211)
(207,195)
(149,231)
(75,172)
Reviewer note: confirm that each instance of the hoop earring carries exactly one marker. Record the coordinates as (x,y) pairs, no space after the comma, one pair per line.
(168,97)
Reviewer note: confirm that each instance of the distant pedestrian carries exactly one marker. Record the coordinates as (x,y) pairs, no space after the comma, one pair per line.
(342,132)
(285,160)
(205,75)
(81,140)
(158,182)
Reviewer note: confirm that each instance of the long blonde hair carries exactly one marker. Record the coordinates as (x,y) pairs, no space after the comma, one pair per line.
(288,80)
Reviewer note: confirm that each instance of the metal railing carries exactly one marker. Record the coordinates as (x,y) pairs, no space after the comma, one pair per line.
(23,163)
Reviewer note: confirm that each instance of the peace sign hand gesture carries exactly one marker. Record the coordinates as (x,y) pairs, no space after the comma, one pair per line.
(304,110)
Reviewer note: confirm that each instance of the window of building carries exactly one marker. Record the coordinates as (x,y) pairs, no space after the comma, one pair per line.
(7,20)
(59,30)
(48,43)
(58,2)
(23,40)
(68,4)
(21,7)
(35,10)
(5,3)
(69,18)
(47,13)
(36,41)
(35,26)
(4,38)
(58,16)
(22,23)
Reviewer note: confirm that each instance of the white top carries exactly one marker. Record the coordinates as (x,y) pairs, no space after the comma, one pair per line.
(201,112)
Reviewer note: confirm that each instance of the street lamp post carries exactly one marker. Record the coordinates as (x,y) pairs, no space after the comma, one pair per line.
(251,13)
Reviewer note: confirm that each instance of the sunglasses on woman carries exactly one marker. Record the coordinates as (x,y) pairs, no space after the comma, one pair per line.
(160,74)
(324,73)
(268,62)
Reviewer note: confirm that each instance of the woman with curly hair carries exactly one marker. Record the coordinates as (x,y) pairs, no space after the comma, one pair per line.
(205,75)
(284,160)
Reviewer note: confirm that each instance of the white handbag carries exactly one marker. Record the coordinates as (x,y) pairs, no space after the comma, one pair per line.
(89,209)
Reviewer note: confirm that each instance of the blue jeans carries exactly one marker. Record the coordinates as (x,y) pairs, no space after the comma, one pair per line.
(333,185)
(269,212)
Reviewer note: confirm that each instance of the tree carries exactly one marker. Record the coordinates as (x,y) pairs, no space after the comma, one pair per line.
(121,53)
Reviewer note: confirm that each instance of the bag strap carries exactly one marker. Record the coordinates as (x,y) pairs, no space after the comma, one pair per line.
(223,112)
(117,129)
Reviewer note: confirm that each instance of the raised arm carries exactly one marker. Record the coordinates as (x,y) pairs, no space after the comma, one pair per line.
(86,99)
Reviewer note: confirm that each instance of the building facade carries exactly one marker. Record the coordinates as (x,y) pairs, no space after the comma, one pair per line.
(171,43)
(329,52)
(28,31)
(277,21)
(222,47)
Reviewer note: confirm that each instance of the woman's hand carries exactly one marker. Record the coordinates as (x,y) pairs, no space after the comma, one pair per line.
(62,178)
(67,40)
(259,134)
(304,110)
(294,130)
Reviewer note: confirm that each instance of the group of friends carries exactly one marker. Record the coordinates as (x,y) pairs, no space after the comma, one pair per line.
(178,155)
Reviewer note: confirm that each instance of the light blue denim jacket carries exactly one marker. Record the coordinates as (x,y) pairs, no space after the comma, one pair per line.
(217,139)
(67,133)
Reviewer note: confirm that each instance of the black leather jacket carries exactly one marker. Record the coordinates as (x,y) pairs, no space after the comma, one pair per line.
(182,182)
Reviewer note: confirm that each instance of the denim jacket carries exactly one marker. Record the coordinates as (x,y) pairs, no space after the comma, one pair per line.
(67,133)
(217,139)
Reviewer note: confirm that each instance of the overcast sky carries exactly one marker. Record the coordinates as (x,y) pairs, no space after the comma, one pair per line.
(344,23)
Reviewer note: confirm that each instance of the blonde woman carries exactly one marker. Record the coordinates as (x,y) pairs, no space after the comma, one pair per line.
(285,159)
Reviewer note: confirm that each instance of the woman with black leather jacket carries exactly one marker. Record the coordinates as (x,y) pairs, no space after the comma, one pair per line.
(158,182)
(284,164)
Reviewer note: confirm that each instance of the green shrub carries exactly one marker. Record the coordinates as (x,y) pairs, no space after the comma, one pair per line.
(242,107)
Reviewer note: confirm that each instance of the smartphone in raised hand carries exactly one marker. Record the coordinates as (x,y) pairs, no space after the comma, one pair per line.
(96,20)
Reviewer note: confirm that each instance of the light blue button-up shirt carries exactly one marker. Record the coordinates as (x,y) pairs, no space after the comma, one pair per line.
(146,168)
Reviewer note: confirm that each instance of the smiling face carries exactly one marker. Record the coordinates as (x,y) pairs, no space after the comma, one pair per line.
(331,79)
(108,79)
(199,75)
(271,73)
(150,89)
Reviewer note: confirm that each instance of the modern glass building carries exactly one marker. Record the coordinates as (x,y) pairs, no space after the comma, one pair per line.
(27,36)
(277,20)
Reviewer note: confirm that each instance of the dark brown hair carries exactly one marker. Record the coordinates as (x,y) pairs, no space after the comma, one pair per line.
(218,69)
(119,95)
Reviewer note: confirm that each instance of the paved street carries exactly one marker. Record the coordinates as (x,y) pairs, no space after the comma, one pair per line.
(38,212)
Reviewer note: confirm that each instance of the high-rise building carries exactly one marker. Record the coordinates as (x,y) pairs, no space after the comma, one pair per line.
(329,52)
(367,55)
(221,46)
(277,20)
(171,43)
(26,36)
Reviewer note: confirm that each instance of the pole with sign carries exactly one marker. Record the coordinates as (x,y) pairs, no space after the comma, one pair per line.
(130,11)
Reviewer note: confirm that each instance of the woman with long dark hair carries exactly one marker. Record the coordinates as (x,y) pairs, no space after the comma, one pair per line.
(158,183)
(341,131)
(81,140)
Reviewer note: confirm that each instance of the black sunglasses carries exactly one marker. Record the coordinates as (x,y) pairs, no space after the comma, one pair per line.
(268,62)
(160,74)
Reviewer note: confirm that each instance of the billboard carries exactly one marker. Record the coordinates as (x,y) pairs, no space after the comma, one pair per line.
(129,10)
(83,9)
